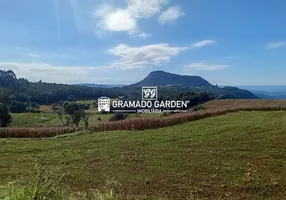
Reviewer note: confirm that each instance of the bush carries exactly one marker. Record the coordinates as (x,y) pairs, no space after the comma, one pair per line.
(118,117)
(35,105)
(198,107)
(17,107)
(84,106)
(5,117)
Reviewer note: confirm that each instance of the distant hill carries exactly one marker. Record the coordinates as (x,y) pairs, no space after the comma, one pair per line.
(170,83)
(171,87)
(276,92)
(161,78)
(98,85)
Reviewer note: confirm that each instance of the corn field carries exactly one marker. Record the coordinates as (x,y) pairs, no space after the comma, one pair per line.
(212,108)
(39,132)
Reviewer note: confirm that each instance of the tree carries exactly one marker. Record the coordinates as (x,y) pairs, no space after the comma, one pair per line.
(84,118)
(61,112)
(5,117)
(71,98)
(7,78)
(35,105)
(4,95)
(28,105)
(17,107)
(74,111)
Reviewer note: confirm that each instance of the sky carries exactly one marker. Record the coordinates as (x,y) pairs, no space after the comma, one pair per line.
(227,42)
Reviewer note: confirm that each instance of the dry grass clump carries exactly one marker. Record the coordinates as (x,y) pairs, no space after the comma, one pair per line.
(209,109)
(212,108)
(37,132)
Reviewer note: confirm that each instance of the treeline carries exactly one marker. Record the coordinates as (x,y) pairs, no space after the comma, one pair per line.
(22,95)
(194,95)
(48,93)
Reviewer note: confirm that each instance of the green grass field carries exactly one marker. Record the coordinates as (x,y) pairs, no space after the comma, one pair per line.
(49,118)
(234,156)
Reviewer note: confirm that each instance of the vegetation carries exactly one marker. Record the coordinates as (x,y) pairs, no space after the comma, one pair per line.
(222,157)
(76,113)
(209,109)
(118,117)
(21,91)
(5,117)
(47,93)
(165,78)
(39,132)
(43,186)
(100,122)
(40,187)
(17,106)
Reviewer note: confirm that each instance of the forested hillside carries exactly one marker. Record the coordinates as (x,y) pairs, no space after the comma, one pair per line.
(18,91)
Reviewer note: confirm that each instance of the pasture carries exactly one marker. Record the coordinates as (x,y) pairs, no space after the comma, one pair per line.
(239,155)
(49,118)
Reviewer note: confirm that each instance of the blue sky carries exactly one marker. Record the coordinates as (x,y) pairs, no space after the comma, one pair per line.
(227,42)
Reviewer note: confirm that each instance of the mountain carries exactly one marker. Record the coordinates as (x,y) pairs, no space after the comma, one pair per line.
(171,86)
(99,85)
(276,92)
(170,83)
(161,78)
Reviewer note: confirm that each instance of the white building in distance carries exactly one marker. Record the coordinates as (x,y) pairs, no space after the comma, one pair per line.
(104,104)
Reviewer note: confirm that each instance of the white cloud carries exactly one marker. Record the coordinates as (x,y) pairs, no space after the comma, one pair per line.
(171,14)
(144,35)
(145,8)
(137,57)
(35,71)
(118,20)
(275,45)
(125,19)
(103,10)
(33,55)
(205,67)
(204,43)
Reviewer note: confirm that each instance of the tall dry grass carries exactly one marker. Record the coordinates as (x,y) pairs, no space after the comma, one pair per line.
(38,132)
(212,108)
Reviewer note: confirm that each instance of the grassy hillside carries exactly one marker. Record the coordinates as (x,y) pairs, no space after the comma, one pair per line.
(237,155)
(49,118)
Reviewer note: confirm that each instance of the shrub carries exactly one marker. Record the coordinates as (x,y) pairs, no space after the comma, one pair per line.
(17,107)
(84,106)
(118,117)
(35,105)
(5,117)
(198,107)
